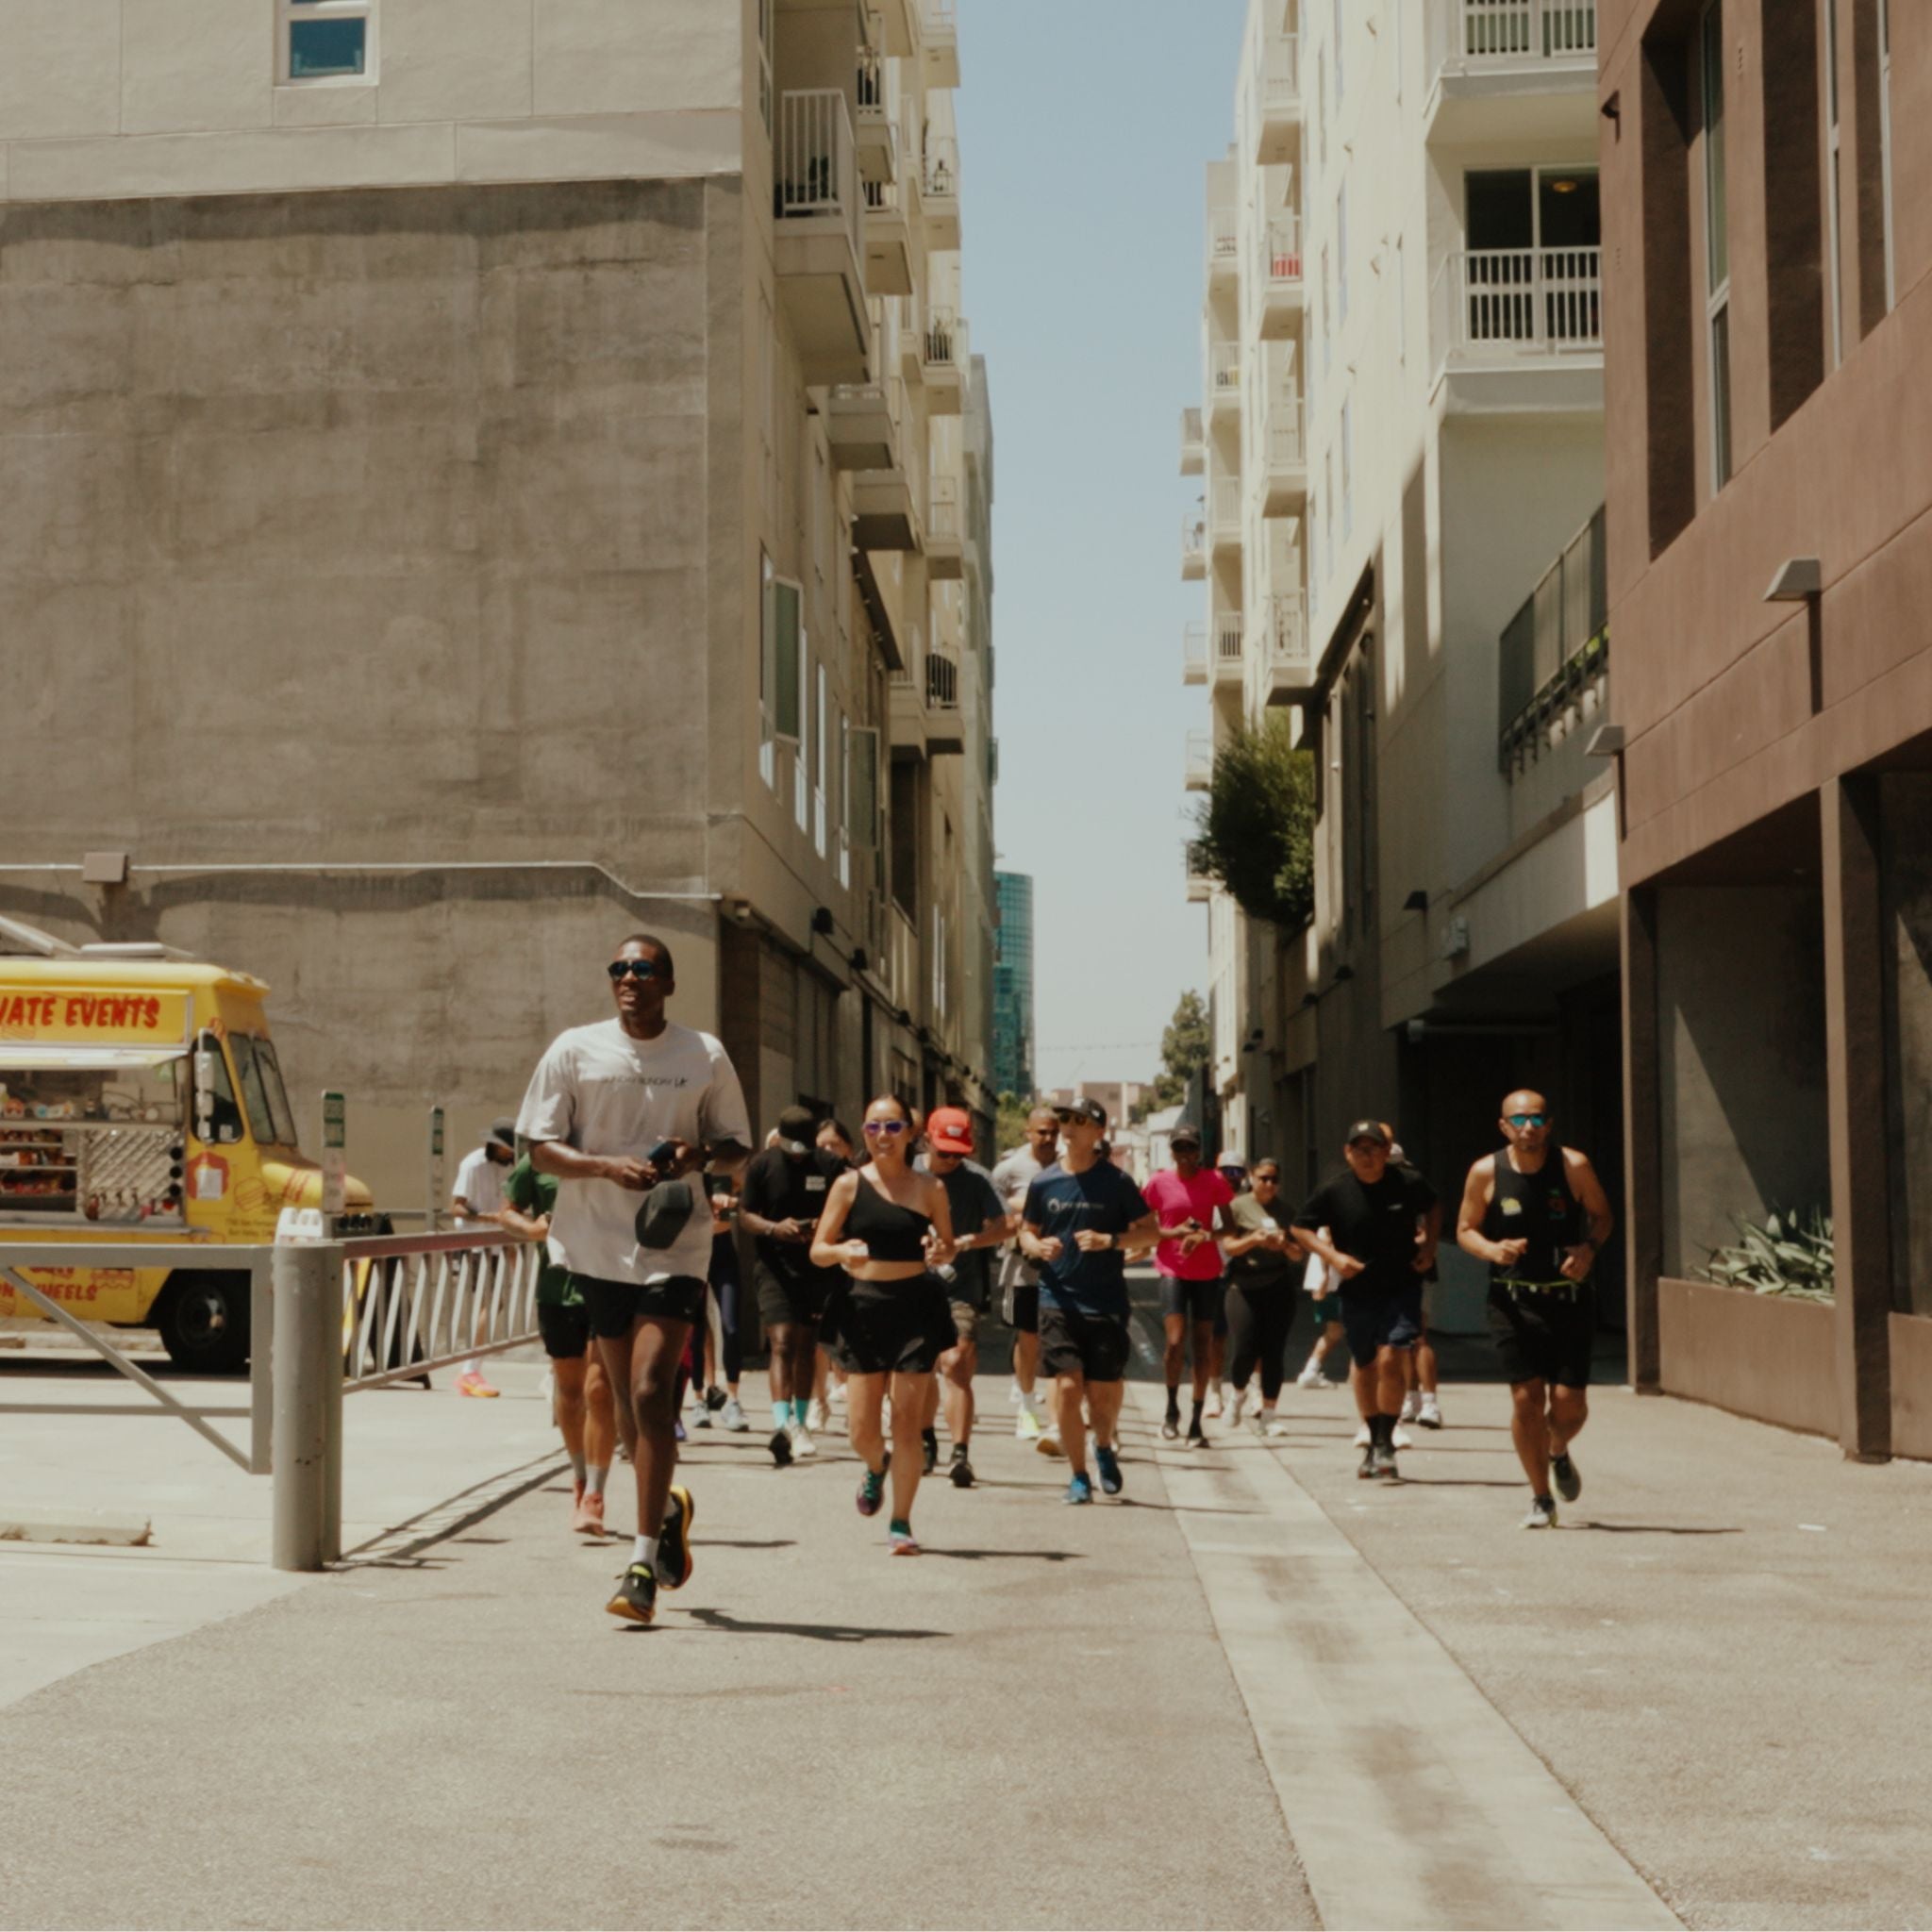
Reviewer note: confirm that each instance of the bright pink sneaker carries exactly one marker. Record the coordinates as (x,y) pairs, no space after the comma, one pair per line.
(472,1383)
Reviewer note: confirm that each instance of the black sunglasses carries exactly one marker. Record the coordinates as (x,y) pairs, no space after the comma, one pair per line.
(1529,1120)
(638,969)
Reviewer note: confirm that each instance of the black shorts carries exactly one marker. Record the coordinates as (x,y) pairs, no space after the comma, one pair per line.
(1379,1318)
(565,1329)
(893,1327)
(1020,1309)
(1544,1335)
(785,1299)
(1073,1343)
(613,1306)
(1199,1301)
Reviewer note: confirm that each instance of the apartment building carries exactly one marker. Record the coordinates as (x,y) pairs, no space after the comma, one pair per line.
(1013,1060)
(1401,442)
(1771,336)
(489,479)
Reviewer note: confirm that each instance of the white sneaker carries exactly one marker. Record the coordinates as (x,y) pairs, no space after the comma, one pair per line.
(1048,1441)
(1237,1402)
(733,1416)
(1399,1438)
(802,1443)
(1026,1425)
(1016,1396)
(1274,1427)
(1362,1438)
(1411,1406)
(1430,1413)
(817,1416)
(1212,1411)
(1311,1377)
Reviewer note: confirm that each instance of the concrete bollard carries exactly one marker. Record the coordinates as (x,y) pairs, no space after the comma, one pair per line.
(307,1372)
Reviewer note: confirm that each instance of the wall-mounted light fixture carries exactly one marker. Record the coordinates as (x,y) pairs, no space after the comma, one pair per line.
(1797,578)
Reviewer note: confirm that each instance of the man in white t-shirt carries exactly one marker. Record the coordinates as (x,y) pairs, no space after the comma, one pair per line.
(476,1201)
(1020,1279)
(621,1112)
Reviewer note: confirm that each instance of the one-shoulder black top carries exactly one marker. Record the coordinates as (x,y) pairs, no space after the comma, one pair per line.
(889,1232)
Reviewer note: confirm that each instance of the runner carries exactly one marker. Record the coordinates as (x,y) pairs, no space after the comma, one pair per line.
(1419,1403)
(581,1403)
(1079,1216)
(476,1201)
(1369,1222)
(1263,1268)
(1020,1279)
(1192,1201)
(1539,1224)
(727,1289)
(828,1382)
(620,1112)
(785,1192)
(888,1227)
(980,1223)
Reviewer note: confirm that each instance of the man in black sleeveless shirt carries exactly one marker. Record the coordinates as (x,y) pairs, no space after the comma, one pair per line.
(1537,1213)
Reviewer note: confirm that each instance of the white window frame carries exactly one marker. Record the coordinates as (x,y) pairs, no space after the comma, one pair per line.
(1717,290)
(288,14)
(842,793)
(1834,237)
(819,759)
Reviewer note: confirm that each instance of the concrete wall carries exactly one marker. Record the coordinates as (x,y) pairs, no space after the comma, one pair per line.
(1905,807)
(1742,992)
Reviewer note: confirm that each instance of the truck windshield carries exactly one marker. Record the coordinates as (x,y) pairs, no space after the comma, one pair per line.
(262,1091)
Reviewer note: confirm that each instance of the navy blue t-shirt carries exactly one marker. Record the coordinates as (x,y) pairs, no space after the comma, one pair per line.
(1059,1205)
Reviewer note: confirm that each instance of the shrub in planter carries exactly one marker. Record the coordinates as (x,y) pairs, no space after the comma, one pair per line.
(1788,1253)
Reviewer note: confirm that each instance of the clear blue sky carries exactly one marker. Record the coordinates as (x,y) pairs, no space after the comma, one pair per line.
(1084,129)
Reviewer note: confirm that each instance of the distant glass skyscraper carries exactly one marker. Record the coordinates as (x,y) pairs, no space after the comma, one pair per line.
(1013,986)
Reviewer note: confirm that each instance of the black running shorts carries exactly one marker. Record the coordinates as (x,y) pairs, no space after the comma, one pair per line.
(784,1299)
(1073,1343)
(894,1327)
(1199,1301)
(1545,1336)
(1020,1309)
(614,1306)
(565,1329)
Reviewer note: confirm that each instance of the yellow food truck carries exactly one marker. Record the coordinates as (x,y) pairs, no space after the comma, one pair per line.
(141,1098)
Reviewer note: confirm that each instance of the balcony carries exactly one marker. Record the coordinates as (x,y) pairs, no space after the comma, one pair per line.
(941,360)
(946,723)
(1230,649)
(942,45)
(1200,880)
(1511,69)
(1276,109)
(1194,654)
(1224,380)
(1225,523)
(888,240)
(1280,281)
(1284,665)
(1518,328)
(1200,764)
(1193,546)
(945,543)
(1285,481)
(876,133)
(1224,245)
(940,185)
(862,424)
(1554,660)
(819,255)
(885,514)
(1193,443)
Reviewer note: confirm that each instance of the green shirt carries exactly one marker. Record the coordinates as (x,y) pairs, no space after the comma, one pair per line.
(535,1194)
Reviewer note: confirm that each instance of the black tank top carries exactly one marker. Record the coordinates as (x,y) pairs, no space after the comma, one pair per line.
(889,1232)
(1539,1207)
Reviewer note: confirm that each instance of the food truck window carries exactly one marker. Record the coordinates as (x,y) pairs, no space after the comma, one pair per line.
(219,1107)
(262,1091)
(119,1087)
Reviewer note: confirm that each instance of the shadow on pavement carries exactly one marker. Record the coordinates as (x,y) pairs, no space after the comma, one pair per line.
(1005,1556)
(820,1633)
(1659,1529)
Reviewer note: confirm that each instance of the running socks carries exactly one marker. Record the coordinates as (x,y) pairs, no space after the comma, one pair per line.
(800,1410)
(1194,1424)
(782,1414)
(1174,1402)
(1382,1431)
(645,1551)
(594,1477)
(579,1467)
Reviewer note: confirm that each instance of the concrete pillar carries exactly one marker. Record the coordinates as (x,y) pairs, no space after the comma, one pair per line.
(307,1358)
(1854,1077)
(1642,1208)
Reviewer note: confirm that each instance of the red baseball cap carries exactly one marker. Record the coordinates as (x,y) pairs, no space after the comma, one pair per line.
(950,1130)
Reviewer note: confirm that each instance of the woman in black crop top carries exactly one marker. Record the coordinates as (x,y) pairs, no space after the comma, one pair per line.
(888,1227)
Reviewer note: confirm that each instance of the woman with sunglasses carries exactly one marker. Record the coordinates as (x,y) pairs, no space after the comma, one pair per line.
(888,1227)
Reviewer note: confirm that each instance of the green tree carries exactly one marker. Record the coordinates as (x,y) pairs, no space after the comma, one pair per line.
(1256,825)
(1188,1043)
(1009,1128)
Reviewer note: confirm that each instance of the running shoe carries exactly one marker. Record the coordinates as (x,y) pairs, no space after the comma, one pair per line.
(1542,1515)
(1401,1438)
(1015,1394)
(900,1540)
(872,1491)
(1026,1425)
(802,1444)
(674,1559)
(678,1432)
(929,1438)
(1049,1441)
(1385,1462)
(780,1446)
(1213,1408)
(817,1417)
(1106,1459)
(472,1383)
(961,1471)
(1568,1480)
(734,1419)
(1170,1426)
(1274,1428)
(1430,1413)
(637,1594)
(1411,1407)
(1197,1437)
(1362,1438)
(1365,1470)
(715,1398)
(702,1419)
(588,1518)
(1311,1377)
(1237,1406)
(1080,1489)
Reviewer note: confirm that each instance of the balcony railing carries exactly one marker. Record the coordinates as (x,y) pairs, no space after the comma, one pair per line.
(942,508)
(1200,765)
(1194,543)
(940,177)
(1287,440)
(1223,240)
(1193,443)
(1194,654)
(1224,373)
(1281,74)
(1288,631)
(1227,508)
(1554,652)
(1200,881)
(813,163)
(1509,301)
(942,338)
(1282,258)
(941,682)
(1494,33)
(1231,648)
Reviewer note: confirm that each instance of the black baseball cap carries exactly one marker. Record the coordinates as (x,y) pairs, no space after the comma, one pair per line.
(1366,1130)
(798,1127)
(1186,1135)
(1081,1109)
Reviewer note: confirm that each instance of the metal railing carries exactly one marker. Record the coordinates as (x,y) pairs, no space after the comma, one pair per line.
(1511,300)
(942,338)
(1194,654)
(1228,506)
(1287,436)
(1200,760)
(1224,238)
(414,1302)
(1288,632)
(1194,442)
(1556,646)
(1223,371)
(1280,82)
(1282,250)
(939,179)
(942,21)
(941,682)
(870,94)
(1193,538)
(1230,647)
(814,162)
(1494,33)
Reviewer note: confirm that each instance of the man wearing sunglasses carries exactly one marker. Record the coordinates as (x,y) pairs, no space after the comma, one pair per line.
(1537,1213)
(621,1113)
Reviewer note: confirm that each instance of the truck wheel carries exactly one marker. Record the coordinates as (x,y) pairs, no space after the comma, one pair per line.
(203,1321)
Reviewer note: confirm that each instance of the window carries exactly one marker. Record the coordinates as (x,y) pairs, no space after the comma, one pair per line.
(1832,238)
(841,798)
(327,40)
(1884,147)
(817,767)
(863,785)
(262,1091)
(1342,253)
(782,679)
(1717,239)
(765,63)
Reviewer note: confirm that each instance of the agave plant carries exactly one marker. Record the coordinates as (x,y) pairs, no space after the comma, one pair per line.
(1790,1253)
